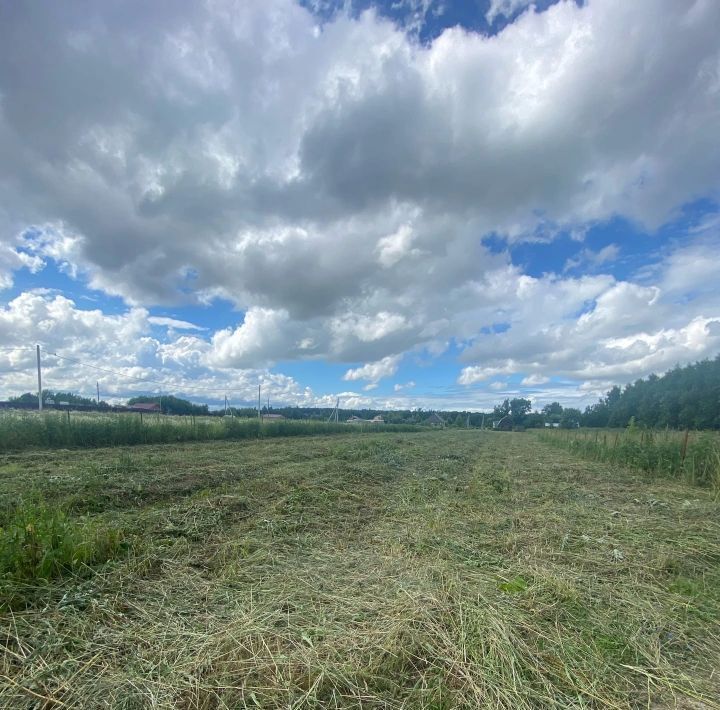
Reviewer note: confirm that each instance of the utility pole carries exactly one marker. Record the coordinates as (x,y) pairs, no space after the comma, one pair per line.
(97,384)
(37,350)
(225,405)
(259,410)
(334,414)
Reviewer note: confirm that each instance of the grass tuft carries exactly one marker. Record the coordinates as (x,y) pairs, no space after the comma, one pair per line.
(39,543)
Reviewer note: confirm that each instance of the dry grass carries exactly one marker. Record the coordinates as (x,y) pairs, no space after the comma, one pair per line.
(434,570)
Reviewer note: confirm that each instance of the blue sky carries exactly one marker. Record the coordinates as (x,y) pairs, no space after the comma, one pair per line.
(425,20)
(411,203)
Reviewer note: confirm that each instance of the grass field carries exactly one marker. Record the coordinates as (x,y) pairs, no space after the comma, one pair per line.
(22,430)
(442,569)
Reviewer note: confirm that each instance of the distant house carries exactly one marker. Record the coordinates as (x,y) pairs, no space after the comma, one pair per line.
(150,407)
(435,420)
(504,424)
(357,420)
(552,425)
(273,417)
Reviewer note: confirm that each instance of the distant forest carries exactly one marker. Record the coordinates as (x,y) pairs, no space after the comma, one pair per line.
(683,398)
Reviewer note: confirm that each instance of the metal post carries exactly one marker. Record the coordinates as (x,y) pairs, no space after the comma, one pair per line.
(37,350)
(259,413)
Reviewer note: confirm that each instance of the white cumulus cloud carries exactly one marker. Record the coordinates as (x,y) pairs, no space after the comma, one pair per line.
(375,371)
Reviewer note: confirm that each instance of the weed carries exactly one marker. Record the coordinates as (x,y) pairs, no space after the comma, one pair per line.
(514,586)
(39,543)
(692,456)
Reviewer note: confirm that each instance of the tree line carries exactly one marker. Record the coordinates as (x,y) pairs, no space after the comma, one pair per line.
(683,398)
(168,403)
(57,397)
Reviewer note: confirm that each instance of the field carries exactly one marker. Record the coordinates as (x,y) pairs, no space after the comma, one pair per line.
(435,569)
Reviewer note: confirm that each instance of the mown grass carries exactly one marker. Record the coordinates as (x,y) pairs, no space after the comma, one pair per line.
(693,456)
(53,430)
(444,569)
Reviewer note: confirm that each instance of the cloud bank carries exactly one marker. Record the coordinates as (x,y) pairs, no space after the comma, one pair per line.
(337,182)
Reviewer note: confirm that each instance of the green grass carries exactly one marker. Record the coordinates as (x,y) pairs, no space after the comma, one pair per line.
(694,456)
(62,430)
(39,542)
(443,569)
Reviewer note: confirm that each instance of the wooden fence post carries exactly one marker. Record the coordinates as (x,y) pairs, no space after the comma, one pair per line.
(685,444)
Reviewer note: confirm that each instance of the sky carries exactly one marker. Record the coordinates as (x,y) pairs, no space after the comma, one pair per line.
(406,203)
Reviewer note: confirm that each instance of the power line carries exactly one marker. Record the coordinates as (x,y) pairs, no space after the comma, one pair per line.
(102,369)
